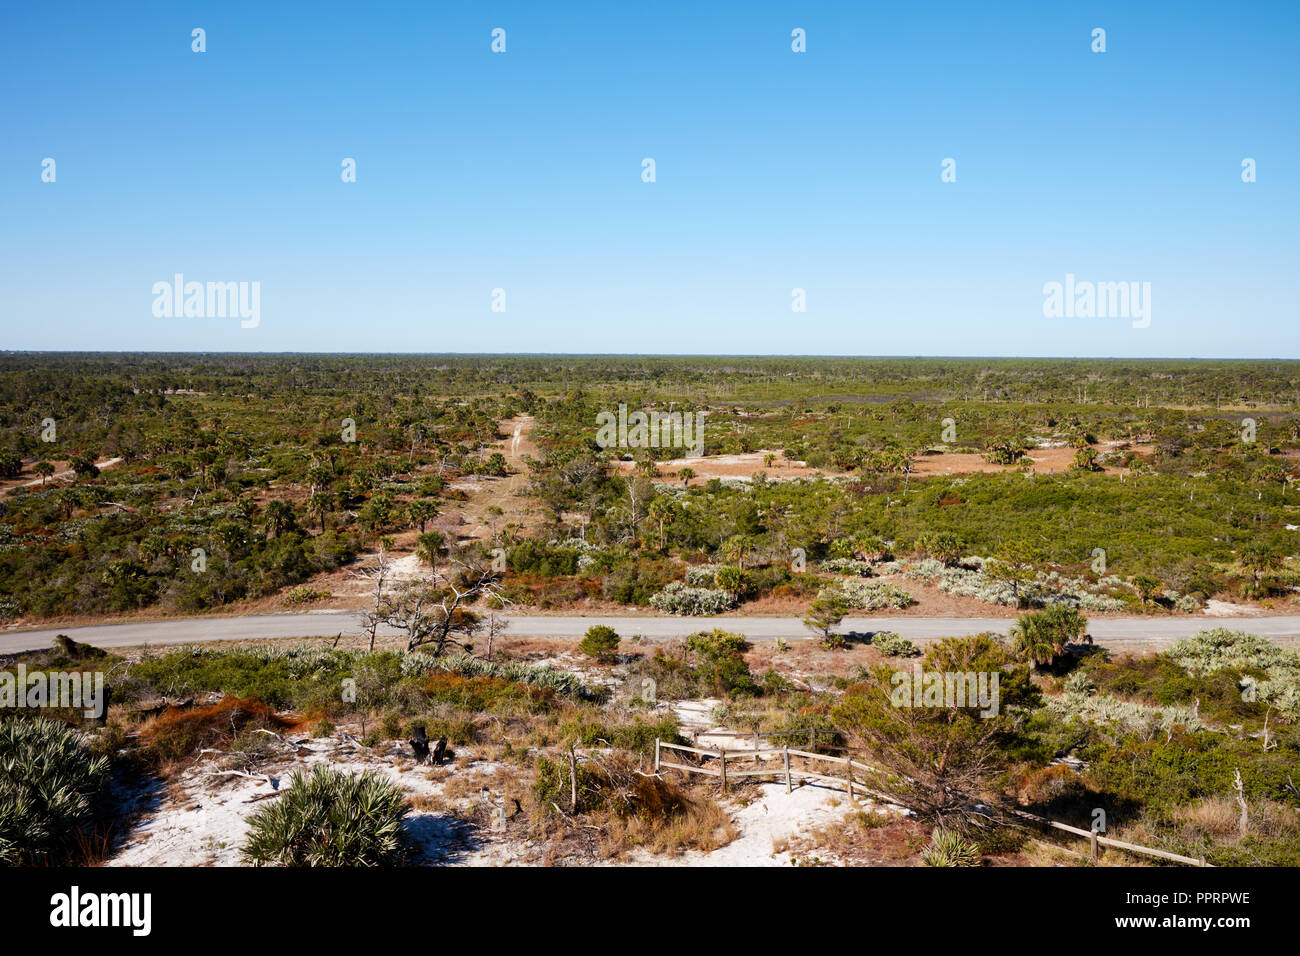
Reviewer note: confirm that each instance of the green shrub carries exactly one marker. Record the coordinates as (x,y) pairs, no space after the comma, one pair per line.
(720,662)
(303,594)
(536,557)
(638,736)
(49,782)
(732,580)
(330,818)
(873,595)
(600,642)
(893,644)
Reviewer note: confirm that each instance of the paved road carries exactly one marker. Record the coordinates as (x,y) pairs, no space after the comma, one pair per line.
(1115,631)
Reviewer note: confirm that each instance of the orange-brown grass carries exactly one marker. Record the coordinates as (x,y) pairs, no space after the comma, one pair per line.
(178,733)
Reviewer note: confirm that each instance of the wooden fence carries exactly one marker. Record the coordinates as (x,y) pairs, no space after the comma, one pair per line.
(730,761)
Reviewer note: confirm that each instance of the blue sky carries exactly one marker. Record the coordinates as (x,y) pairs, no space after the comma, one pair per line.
(775,171)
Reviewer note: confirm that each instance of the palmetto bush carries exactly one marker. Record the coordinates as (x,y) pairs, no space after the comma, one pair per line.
(1048,588)
(893,644)
(678,598)
(1142,719)
(863,569)
(703,575)
(1213,650)
(520,672)
(873,595)
(330,818)
(48,785)
(948,848)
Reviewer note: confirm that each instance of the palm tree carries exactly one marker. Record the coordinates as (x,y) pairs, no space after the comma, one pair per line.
(420,511)
(279,517)
(1041,637)
(661,510)
(685,474)
(737,548)
(44,469)
(320,504)
(428,546)
(1258,557)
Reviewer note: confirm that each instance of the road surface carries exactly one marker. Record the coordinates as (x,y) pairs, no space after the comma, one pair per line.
(1111,632)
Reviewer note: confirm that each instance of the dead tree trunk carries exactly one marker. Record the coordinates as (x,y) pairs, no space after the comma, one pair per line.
(420,745)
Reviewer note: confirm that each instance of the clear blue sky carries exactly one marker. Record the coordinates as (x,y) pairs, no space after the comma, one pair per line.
(775,170)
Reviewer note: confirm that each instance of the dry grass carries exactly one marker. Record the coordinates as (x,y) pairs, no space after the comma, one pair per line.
(1218,819)
(679,820)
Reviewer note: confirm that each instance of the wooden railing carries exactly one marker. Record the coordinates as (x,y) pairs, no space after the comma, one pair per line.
(730,760)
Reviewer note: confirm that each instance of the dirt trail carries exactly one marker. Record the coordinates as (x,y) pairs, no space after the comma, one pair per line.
(61,473)
(505,493)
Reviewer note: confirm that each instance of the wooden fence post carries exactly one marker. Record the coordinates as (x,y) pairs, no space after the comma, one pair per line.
(1093,847)
(787,768)
(656,755)
(723,754)
(812,739)
(573,781)
(848,774)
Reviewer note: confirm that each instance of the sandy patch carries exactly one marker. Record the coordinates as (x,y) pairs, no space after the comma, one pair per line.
(203,819)
(769,822)
(1228,609)
(728,466)
(1045,461)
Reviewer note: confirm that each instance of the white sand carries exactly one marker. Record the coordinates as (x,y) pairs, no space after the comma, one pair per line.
(204,819)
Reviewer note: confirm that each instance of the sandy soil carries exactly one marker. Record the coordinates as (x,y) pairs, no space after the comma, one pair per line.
(203,819)
(772,823)
(1046,461)
(728,466)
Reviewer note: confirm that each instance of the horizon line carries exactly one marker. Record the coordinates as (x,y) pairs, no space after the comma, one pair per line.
(660,355)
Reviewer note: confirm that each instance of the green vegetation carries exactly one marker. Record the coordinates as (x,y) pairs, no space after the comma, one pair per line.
(50,783)
(601,642)
(947,848)
(1042,636)
(891,644)
(330,818)
(239,479)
